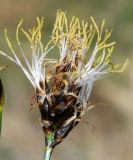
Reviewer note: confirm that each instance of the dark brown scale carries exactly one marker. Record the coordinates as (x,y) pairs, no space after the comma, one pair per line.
(44,108)
(73,88)
(70,100)
(63,115)
(58,110)
(62,132)
(58,99)
(68,68)
(79,107)
(77,91)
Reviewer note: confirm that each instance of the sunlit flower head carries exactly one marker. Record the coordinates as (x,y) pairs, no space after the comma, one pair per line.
(63,86)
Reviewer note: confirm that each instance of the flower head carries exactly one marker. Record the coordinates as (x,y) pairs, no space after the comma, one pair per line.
(63,90)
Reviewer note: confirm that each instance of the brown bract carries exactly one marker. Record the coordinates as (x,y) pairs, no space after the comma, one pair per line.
(60,108)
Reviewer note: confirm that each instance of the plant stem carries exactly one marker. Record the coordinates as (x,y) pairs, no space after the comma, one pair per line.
(48,147)
(47,153)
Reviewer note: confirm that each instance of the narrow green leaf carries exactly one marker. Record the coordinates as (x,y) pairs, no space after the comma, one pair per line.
(1,103)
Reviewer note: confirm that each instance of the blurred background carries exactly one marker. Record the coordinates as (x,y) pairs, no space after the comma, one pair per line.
(22,137)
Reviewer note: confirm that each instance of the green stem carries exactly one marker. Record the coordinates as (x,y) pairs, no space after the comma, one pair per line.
(48,146)
(47,153)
